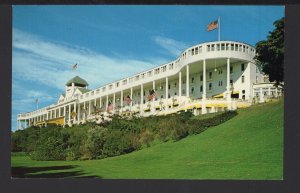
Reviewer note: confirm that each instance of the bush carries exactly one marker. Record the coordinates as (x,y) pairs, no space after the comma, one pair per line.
(146,137)
(120,136)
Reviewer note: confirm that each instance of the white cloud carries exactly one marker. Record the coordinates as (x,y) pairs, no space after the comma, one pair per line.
(174,47)
(49,63)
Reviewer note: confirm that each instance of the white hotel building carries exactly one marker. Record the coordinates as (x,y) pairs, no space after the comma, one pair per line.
(205,78)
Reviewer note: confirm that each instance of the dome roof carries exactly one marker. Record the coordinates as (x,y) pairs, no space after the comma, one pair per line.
(77,81)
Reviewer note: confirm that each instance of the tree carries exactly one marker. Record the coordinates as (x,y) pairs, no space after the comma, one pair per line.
(270,53)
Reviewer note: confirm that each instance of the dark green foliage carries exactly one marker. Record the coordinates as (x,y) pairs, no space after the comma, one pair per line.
(270,53)
(120,136)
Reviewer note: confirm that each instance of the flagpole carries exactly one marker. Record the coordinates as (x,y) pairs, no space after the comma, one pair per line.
(219,27)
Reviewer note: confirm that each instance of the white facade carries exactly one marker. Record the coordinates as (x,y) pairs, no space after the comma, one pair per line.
(206,78)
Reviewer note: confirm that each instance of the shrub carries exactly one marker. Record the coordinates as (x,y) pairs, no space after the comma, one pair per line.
(146,137)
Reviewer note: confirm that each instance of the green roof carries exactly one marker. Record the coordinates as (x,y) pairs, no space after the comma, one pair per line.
(83,90)
(78,81)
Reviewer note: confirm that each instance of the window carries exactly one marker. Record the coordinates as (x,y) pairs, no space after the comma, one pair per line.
(193,51)
(183,82)
(169,86)
(210,86)
(144,101)
(161,87)
(210,75)
(162,96)
(227,46)
(144,93)
(192,79)
(183,91)
(218,47)
(231,69)
(169,96)
(117,84)
(192,90)
(200,49)
(243,79)
(213,47)
(196,50)
(231,82)
(236,47)
(243,91)
(221,83)
(222,46)
(220,71)
(208,48)
(175,84)
(201,88)
(201,77)
(243,67)
(175,93)
(232,47)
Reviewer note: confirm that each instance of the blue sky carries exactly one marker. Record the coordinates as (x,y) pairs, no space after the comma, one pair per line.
(112,42)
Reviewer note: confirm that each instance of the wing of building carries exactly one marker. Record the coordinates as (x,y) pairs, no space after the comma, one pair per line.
(205,78)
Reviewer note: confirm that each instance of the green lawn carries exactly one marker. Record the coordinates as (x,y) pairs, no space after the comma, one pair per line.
(249,146)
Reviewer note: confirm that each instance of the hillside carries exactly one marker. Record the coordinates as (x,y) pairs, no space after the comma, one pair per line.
(248,146)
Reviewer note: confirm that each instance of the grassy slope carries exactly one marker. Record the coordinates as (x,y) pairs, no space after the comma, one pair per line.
(249,146)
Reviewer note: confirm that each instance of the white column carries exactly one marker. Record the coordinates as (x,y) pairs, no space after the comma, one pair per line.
(69,121)
(153,99)
(187,80)
(179,84)
(228,94)
(65,115)
(89,107)
(17,124)
(74,118)
(131,98)
(106,102)
(276,92)
(78,115)
(59,112)
(153,87)
(142,97)
(167,93)
(261,96)
(167,88)
(100,102)
(114,102)
(269,91)
(55,113)
(203,108)
(121,100)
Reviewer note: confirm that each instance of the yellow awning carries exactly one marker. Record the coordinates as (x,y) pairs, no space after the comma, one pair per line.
(219,95)
(235,92)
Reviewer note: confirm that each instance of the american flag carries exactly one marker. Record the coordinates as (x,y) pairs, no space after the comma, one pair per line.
(213,25)
(127,100)
(74,66)
(151,95)
(109,107)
